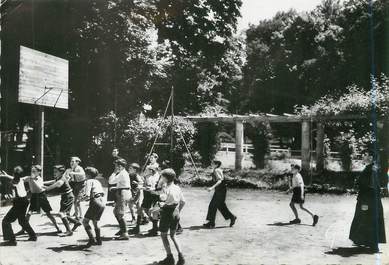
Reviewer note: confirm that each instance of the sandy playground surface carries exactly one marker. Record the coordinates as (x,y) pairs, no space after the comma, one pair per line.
(259,237)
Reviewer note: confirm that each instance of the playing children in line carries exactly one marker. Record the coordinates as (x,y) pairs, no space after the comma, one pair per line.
(153,196)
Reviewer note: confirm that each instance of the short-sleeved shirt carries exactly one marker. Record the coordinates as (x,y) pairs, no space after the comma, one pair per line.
(297,181)
(19,190)
(152,181)
(35,184)
(79,177)
(93,187)
(121,179)
(173,195)
(65,187)
(218,174)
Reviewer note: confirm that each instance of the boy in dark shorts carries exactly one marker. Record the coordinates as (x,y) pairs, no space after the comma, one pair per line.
(122,189)
(95,194)
(18,209)
(61,184)
(299,196)
(137,195)
(76,177)
(38,198)
(172,202)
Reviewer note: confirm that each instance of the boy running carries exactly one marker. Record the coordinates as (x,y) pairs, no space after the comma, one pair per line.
(299,196)
(172,202)
(38,198)
(137,195)
(122,189)
(76,177)
(61,184)
(95,194)
(18,209)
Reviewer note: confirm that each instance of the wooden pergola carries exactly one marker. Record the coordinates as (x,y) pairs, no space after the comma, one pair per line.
(306,123)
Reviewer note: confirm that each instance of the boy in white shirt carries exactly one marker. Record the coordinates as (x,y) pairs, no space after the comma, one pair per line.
(122,195)
(38,198)
(95,194)
(299,196)
(172,202)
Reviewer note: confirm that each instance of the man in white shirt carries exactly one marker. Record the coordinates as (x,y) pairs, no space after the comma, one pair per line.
(122,195)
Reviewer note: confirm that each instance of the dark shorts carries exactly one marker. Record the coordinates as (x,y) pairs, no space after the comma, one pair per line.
(123,198)
(149,200)
(296,197)
(111,193)
(170,218)
(67,201)
(96,209)
(78,188)
(39,201)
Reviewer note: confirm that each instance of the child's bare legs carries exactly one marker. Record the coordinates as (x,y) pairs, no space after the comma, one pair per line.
(52,219)
(174,239)
(88,230)
(77,208)
(294,210)
(97,232)
(166,244)
(306,210)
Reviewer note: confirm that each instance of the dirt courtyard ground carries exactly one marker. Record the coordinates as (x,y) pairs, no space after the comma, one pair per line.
(259,236)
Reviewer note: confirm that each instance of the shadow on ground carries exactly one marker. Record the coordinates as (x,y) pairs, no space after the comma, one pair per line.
(350,251)
(285,224)
(200,227)
(70,248)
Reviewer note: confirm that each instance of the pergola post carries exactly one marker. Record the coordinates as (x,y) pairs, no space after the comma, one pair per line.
(320,147)
(239,138)
(305,145)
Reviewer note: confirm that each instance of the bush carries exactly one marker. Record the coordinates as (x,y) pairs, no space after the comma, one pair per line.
(260,139)
(207,142)
(135,137)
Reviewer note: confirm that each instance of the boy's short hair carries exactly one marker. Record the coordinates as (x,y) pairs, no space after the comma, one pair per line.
(37,167)
(92,172)
(75,158)
(60,168)
(169,174)
(297,167)
(217,162)
(154,155)
(121,162)
(18,170)
(135,166)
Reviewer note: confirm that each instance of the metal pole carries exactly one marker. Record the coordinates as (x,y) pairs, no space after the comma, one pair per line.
(172,125)
(41,142)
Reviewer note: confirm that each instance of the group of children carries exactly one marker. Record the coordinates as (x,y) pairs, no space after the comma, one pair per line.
(154,197)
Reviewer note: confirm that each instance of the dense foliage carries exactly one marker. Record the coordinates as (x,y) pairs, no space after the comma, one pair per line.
(135,138)
(296,58)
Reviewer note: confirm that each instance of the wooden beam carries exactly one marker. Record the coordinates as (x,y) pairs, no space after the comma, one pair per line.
(275,118)
(305,145)
(239,139)
(320,147)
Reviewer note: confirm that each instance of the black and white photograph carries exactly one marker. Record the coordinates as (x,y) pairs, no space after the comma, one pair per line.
(198,132)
